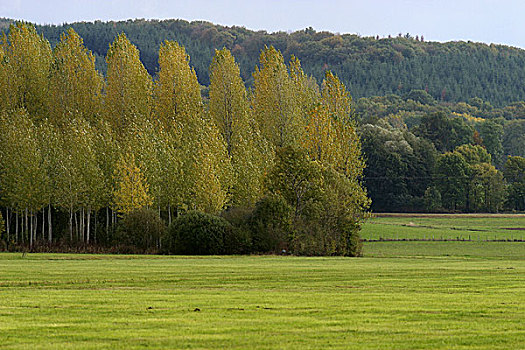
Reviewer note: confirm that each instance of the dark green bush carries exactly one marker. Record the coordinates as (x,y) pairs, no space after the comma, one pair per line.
(271,224)
(197,233)
(141,230)
(239,239)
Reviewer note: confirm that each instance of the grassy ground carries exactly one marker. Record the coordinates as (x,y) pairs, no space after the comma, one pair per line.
(474,227)
(418,299)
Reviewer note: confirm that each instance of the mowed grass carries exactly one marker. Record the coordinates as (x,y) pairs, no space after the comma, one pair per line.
(428,226)
(410,301)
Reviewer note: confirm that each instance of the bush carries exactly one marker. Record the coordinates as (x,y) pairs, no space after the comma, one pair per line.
(239,239)
(271,224)
(141,229)
(197,233)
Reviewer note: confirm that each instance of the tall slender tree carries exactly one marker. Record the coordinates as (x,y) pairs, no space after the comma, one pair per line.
(274,103)
(30,58)
(204,162)
(129,86)
(75,85)
(229,109)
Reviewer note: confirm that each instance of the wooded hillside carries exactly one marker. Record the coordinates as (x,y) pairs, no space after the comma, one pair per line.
(368,66)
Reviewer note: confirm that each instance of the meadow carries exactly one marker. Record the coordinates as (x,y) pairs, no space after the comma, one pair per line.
(400,295)
(474,227)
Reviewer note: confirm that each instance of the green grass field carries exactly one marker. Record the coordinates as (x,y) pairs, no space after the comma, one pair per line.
(438,226)
(401,295)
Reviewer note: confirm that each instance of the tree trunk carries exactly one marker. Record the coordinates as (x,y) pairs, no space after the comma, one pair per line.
(77,233)
(43,223)
(71,224)
(82,226)
(107,221)
(35,226)
(16,226)
(25,225)
(88,222)
(7,223)
(95,226)
(169,214)
(30,230)
(49,225)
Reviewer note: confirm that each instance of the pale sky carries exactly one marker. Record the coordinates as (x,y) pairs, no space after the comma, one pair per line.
(489,21)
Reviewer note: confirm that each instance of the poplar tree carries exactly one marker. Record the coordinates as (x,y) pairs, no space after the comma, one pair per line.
(8,79)
(129,86)
(346,155)
(274,103)
(132,189)
(30,58)
(75,85)
(23,179)
(204,163)
(229,109)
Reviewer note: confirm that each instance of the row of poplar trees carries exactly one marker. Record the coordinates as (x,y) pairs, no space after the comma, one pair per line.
(79,145)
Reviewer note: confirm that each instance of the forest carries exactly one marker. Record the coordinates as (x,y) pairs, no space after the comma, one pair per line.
(368,66)
(224,163)
(88,159)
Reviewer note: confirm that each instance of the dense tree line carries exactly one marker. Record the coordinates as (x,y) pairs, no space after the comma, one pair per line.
(107,159)
(425,155)
(368,66)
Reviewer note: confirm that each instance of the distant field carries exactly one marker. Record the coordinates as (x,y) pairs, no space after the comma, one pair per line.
(445,226)
(489,250)
(401,295)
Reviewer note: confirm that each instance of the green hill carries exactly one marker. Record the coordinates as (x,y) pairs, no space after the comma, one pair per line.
(453,71)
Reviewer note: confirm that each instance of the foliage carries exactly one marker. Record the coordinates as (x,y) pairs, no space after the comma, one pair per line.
(198,233)
(467,180)
(239,239)
(368,65)
(327,206)
(141,229)
(2,228)
(229,109)
(444,132)
(271,224)
(515,175)
(400,167)
(129,86)
(132,189)
(273,101)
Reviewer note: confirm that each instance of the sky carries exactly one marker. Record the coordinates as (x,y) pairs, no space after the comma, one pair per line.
(488,21)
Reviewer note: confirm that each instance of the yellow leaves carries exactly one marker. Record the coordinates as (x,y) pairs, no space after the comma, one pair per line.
(274,103)
(177,91)
(132,189)
(76,86)
(30,58)
(129,86)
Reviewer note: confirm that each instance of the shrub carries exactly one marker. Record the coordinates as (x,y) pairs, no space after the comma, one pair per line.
(198,233)
(271,224)
(141,229)
(239,239)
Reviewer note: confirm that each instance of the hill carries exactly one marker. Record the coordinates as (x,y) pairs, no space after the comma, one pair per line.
(369,66)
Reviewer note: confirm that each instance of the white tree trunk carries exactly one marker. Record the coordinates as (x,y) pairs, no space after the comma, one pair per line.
(88,224)
(49,225)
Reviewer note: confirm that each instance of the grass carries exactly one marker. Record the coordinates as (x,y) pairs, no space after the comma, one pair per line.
(473,227)
(418,299)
